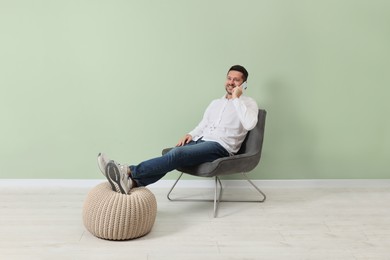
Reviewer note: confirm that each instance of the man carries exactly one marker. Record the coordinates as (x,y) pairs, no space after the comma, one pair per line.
(221,132)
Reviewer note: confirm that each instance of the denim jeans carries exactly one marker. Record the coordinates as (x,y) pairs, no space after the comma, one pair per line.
(193,153)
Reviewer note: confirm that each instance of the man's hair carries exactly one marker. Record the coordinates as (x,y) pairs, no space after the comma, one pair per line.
(240,69)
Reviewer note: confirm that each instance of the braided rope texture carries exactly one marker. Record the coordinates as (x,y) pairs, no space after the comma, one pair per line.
(114,216)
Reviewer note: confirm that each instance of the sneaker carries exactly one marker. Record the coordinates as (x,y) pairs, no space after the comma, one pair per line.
(118,178)
(102,161)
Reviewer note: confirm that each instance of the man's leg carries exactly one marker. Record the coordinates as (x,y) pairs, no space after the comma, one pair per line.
(191,154)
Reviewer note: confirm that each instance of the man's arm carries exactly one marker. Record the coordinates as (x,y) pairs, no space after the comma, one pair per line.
(246,108)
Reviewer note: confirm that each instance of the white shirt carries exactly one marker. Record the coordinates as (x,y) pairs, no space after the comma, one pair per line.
(227,122)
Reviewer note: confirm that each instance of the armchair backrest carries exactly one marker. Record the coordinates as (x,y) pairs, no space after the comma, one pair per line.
(253,142)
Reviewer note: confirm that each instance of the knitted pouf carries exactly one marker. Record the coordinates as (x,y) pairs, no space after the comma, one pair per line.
(115,216)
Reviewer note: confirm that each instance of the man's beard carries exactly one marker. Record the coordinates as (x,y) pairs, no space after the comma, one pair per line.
(227,90)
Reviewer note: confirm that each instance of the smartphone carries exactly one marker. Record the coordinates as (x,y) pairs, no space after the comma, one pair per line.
(244,85)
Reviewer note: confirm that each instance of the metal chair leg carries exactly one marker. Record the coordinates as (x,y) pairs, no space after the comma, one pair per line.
(216,201)
(254,186)
(218,197)
(263,196)
(169,193)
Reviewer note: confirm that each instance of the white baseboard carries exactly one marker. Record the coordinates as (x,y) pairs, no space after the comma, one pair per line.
(209,183)
(331,183)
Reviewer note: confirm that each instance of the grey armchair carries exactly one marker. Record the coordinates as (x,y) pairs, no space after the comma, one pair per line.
(247,158)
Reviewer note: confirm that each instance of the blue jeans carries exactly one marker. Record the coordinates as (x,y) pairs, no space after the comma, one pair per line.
(193,153)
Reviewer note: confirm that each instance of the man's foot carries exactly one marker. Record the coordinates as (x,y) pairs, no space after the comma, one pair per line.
(118,177)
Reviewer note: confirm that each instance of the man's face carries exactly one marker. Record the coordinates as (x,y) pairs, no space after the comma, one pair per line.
(233,79)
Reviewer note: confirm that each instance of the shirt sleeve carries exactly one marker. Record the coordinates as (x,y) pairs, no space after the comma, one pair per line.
(247,111)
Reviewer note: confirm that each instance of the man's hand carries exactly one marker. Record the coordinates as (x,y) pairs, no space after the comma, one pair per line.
(184,140)
(237,92)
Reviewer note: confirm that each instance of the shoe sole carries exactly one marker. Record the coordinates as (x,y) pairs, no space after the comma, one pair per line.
(113,176)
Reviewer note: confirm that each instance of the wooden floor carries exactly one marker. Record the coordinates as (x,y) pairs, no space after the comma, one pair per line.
(294,223)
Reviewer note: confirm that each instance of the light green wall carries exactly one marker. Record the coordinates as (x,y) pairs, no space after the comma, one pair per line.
(131,77)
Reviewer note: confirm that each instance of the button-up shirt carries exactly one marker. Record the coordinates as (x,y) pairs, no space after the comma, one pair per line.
(227,121)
